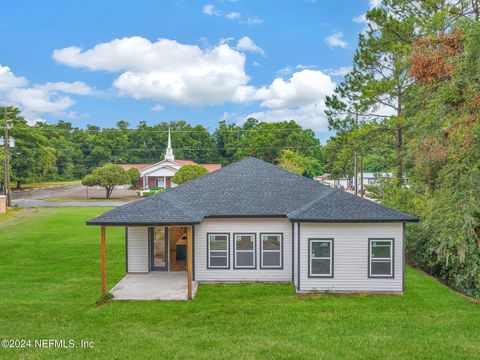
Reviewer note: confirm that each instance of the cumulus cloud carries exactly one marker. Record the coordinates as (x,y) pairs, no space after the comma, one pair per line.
(336,40)
(210,10)
(168,71)
(165,69)
(247,44)
(8,80)
(233,15)
(301,98)
(310,116)
(39,99)
(341,71)
(305,87)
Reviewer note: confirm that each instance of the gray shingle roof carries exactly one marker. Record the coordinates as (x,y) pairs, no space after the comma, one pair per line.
(250,188)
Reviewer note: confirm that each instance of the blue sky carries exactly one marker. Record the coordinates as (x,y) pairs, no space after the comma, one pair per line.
(92,62)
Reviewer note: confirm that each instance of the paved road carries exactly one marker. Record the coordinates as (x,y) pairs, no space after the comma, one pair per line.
(36,197)
(33,203)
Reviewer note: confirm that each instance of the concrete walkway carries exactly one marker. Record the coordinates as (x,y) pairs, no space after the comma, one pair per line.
(33,203)
(157,285)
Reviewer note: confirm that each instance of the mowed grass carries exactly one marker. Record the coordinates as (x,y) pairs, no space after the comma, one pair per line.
(50,281)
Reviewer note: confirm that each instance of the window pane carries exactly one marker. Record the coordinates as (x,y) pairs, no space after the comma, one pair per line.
(271,259)
(320,266)
(380,249)
(218,253)
(321,249)
(271,242)
(218,242)
(244,242)
(380,268)
(218,261)
(244,259)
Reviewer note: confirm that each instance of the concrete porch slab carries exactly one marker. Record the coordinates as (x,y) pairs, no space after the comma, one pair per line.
(153,286)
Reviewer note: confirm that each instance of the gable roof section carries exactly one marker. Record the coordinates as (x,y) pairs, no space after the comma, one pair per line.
(250,188)
(209,167)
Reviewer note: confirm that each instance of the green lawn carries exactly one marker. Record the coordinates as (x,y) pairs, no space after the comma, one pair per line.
(50,281)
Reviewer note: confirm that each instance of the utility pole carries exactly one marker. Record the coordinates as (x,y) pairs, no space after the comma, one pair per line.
(6,162)
(355,155)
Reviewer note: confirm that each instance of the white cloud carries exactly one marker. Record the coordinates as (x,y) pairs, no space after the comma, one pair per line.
(360,19)
(233,15)
(310,116)
(247,44)
(253,21)
(8,80)
(287,70)
(76,87)
(165,69)
(39,99)
(303,88)
(375,3)
(210,10)
(300,98)
(157,108)
(336,40)
(341,71)
(168,71)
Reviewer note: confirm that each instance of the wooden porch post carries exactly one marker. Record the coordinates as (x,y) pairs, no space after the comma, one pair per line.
(103,260)
(189,261)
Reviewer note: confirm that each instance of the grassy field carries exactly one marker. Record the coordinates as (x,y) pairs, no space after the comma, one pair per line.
(49,276)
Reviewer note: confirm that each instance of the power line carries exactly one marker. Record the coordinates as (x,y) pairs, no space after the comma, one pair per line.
(159,131)
(193,149)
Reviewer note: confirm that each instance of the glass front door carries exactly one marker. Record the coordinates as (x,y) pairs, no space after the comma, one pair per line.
(159,249)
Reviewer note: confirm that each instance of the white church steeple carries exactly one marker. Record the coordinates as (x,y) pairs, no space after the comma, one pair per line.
(169,152)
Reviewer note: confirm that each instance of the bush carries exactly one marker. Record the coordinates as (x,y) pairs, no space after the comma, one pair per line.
(189,172)
(107,176)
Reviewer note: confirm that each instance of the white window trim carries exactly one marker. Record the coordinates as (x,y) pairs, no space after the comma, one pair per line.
(209,236)
(253,251)
(280,251)
(311,257)
(389,259)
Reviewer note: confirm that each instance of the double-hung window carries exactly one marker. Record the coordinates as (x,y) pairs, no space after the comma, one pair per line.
(271,254)
(245,251)
(218,251)
(320,257)
(380,258)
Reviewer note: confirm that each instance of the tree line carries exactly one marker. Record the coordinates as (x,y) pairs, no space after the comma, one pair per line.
(411,105)
(59,151)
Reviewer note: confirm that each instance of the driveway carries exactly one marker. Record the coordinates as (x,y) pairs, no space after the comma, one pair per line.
(72,195)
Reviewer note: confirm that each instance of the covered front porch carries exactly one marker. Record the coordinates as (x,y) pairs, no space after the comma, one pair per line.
(157,285)
(159,263)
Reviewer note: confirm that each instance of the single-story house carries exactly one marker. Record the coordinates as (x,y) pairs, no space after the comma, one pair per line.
(252,221)
(160,174)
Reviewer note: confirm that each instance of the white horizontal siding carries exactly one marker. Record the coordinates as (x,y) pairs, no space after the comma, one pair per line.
(232,226)
(137,249)
(351,257)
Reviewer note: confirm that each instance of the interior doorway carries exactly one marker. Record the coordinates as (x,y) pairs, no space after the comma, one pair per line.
(178,248)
